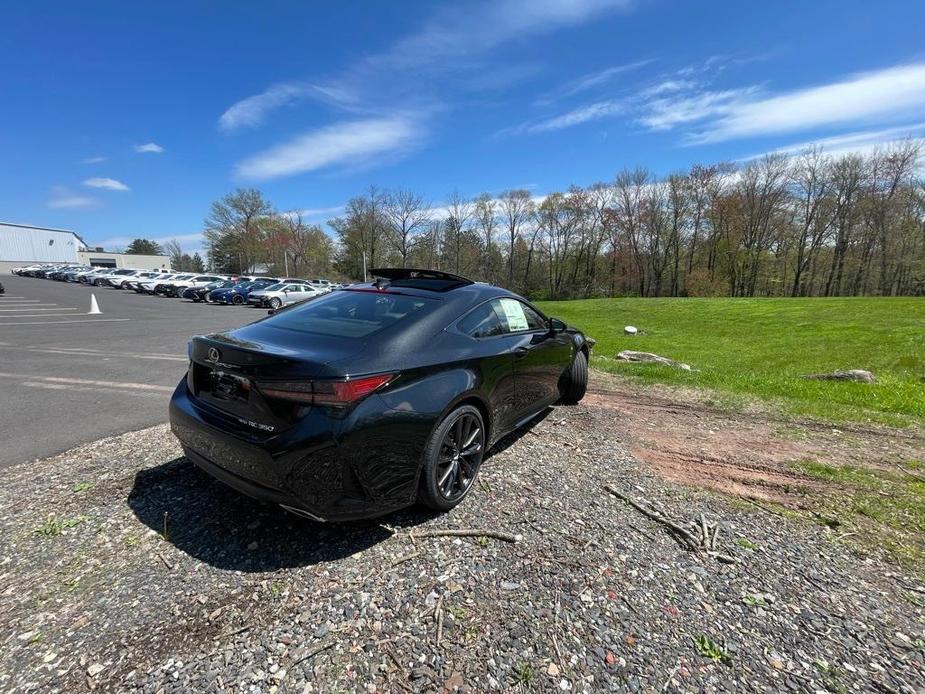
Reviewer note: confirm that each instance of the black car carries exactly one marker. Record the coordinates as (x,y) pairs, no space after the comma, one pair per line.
(373,397)
(197,294)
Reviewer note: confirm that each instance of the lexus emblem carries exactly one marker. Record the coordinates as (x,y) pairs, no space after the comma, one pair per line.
(214,354)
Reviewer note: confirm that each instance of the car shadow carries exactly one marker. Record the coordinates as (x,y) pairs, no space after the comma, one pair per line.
(211,522)
(513,437)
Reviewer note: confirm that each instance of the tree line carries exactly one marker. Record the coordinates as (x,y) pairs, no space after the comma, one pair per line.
(809,224)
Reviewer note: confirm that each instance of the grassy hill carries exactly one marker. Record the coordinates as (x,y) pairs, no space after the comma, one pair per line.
(761,347)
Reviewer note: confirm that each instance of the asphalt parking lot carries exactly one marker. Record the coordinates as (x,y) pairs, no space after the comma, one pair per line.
(67,377)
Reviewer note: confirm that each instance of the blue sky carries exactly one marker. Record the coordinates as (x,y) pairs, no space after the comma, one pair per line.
(121,120)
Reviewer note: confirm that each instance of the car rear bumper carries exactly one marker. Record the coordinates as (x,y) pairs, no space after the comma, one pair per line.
(313,470)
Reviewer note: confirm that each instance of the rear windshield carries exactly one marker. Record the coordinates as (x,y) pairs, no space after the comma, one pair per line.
(351,314)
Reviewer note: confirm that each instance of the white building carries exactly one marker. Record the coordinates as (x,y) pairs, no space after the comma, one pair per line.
(21,244)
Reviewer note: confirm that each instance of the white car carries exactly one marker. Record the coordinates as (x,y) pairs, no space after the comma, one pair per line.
(132,281)
(149,286)
(96,276)
(118,278)
(324,285)
(176,287)
(282,294)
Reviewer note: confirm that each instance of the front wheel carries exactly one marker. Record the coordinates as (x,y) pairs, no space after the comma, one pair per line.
(275,303)
(452,459)
(574,382)
(237,299)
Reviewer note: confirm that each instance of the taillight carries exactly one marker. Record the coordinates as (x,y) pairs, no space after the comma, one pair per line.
(335,393)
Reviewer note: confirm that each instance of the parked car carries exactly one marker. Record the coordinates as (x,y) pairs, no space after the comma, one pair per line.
(322,284)
(238,294)
(371,398)
(197,294)
(165,286)
(133,281)
(148,286)
(282,294)
(176,287)
(71,275)
(117,278)
(98,276)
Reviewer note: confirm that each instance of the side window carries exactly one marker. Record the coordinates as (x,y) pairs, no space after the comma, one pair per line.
(482,321)
(534,319)
(519,317)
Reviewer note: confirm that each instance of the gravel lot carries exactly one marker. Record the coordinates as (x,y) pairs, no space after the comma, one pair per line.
(123,567)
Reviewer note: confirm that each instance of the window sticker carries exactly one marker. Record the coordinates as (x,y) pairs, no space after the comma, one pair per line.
(514,313)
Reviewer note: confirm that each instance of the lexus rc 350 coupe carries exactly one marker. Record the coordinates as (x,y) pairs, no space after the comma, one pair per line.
(374,397)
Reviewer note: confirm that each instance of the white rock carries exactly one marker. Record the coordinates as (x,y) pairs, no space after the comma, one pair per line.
(630,330)
(648,357)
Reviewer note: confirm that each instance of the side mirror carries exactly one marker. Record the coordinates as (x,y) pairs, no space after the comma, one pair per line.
(556,326)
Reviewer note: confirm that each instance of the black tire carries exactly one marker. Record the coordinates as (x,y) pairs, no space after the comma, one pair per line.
(275,303)
(442,459)
(237,299)
(574,382)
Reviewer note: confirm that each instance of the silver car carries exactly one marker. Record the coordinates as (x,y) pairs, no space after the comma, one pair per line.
(282,294)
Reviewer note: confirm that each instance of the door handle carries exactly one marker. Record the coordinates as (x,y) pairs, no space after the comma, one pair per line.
(520,352)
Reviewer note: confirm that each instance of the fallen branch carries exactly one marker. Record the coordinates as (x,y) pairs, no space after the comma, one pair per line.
(467,532)
(912,473)
(700,536)
(313,652)
(658,518)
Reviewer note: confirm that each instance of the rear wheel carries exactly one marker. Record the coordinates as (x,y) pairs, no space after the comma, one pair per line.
(452,459)
(574,382)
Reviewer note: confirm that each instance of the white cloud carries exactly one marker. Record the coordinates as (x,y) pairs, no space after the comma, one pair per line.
(881,96)
(94,160)
(317,213)
(152,147)
(860,142)
(666,112)
(252,111)
(460,31)
(346,143)
(447,53)
(107,183)
(62,198)
(590,81)
(577,116)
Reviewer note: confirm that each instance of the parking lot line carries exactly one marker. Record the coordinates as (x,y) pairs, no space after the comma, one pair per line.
(89,389)
(60,380)
(98,354)
(43,315)
(85,320)
(101,353)
(34,308)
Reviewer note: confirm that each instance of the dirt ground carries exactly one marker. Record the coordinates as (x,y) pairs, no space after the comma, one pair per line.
(751,454)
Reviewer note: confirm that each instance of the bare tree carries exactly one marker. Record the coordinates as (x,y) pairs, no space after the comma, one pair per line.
(516,210)
(406,215)
(486,215)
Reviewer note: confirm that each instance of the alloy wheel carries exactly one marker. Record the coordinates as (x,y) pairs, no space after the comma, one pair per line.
(460,456)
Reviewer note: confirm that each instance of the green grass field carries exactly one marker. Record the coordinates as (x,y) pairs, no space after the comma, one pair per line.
(760,348)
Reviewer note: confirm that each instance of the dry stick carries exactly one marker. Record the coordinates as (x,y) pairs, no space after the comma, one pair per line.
(911,473)
(315,651)
(439,620)
(164,559)
(467,532)
(674,671)
(691,540)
